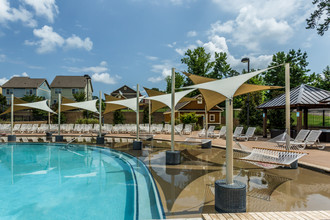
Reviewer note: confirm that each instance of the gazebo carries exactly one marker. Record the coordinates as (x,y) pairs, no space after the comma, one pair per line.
(302,98)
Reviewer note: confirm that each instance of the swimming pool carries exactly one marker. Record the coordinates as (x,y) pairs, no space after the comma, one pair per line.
(41,181)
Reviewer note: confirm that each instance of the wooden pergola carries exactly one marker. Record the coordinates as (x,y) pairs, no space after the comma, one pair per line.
(302,98)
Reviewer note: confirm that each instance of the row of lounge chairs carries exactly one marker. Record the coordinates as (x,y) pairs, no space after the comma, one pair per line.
(237,135)
(94,128)
(303,139)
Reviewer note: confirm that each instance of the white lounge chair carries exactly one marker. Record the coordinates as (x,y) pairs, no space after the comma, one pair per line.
(249,134)
(16,128)
(221,133)
(201,133)
(237,132)
(210,131)
(301,136)
(311,140)
(187,129)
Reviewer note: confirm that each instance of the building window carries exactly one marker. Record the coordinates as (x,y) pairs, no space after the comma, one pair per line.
(58,91)
(28,91)
(55,101)
(212,117)
(125,88)
(75,91)
(199,100)
(9,91)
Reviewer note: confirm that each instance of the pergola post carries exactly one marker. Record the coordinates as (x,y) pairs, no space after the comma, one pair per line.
(287,104)
(100,139)
(306,118)
(59,137)
(299,119)
(137,144)
(264,116)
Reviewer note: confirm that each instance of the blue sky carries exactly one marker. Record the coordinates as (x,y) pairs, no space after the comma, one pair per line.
(139,41)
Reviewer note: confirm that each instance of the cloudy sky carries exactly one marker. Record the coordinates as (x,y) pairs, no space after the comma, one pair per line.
(139,41)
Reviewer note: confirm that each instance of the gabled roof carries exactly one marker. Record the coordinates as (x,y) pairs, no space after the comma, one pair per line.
(24,82)
(127,93)
(302,96)
(70,82)
(325,100)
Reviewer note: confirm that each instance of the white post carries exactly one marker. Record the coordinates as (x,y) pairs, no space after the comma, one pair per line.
(59,113)
(173,109)
(206,121)
(100,114)
(229,141)
(49,116)
(149,116)
(12,115)
(137,113)
(287,104)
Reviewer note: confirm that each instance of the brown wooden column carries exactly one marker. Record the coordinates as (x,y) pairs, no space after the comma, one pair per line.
(305,118)
(264,115)
(299,119)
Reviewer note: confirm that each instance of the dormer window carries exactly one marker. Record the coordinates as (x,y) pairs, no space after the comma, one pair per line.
(199,100)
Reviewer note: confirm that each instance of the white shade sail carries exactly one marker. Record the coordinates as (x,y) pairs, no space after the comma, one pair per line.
(228,86)
(87,105)
(42,105)
(129,103)
(166,98)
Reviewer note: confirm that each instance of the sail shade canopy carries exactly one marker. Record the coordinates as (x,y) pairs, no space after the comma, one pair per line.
(166,98)
(86,105)
(155,105)
(213,98)
(126,103)
(109,107)
(228,86)
(41,105)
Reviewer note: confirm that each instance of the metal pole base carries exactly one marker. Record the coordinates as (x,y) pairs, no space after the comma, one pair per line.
(137,145)
(207,145)
(173,157)
(100,140)
(59,138)
(12,138)
(230,198)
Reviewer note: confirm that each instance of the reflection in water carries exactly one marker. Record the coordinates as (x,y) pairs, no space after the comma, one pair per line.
(187,190)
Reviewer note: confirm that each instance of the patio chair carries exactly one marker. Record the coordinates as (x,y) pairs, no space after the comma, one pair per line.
(187,129)
(301,136)
(222,132)
(23,128)
(249,134)
(311,140)
(201,133)
(3,139)
(178,128)
(167,129)
(237,132)
(16,128)
(210,131)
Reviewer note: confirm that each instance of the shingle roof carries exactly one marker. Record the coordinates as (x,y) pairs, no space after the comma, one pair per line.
(24,82)
(302,95)
(69,82)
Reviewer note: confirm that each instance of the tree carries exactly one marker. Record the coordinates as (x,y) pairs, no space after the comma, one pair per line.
(276,77)
(145,119)
(322,80)
(323,9)
(221,68)
(118,117)
(198,63)
(80,96)
(189,118)
(179,82)
(3,102)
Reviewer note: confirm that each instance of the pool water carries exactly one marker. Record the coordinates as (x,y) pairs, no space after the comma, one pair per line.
(51,182)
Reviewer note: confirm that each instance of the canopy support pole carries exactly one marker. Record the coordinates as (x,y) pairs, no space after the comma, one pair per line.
(206,121)
(149,116)
(100,139)
(229,141)
(287,104)
(12,115)
(137,145)
(59,137)
(173,157)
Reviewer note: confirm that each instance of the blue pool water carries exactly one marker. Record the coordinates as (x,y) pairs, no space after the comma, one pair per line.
(39,181)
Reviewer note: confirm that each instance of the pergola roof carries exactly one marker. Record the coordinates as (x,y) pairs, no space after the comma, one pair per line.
(301,96)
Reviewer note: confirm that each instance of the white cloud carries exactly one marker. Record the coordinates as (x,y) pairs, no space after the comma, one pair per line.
(102,67)
(152,58)
(77,42)
(182,50)
(9,14)
(25,74)
(2,57)
(50,40)
(3,81)
(171,45)
(191,34)
(164,69)
(46,8)
(105,78)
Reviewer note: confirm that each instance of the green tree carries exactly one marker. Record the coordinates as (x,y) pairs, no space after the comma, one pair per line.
(3,103)
(189,118)
(118,117)
(80,96)
(323,10)
(179,82)
(198,63)
(221,68)
(322,80)
(145,118)
(276,77)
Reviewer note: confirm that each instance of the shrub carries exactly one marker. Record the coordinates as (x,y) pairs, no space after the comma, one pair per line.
(189,118)
(87,121)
